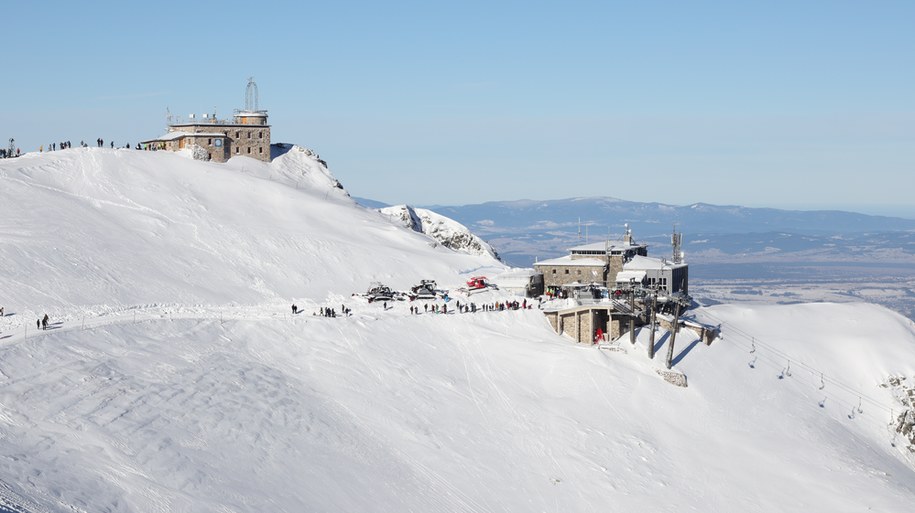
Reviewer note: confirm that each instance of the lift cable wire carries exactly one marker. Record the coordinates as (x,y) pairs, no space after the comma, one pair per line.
(780,357)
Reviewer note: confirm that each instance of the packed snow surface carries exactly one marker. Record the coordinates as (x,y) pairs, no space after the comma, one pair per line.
(175,377)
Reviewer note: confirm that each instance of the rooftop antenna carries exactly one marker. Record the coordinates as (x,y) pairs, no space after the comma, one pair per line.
(676,240)
(579,229)
(251,96)
(168,116)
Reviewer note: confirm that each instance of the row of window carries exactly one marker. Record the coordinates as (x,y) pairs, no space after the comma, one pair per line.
(260,135)
(259,150)
(651,281)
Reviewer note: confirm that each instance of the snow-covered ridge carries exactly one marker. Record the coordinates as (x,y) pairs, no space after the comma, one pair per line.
(97,226)
(446,231)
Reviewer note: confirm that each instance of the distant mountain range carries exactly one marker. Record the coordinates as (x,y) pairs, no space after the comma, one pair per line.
(526,230)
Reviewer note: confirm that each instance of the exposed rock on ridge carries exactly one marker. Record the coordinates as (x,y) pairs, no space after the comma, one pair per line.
(443,230)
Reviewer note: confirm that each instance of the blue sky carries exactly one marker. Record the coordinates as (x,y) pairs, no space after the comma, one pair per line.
(801,104)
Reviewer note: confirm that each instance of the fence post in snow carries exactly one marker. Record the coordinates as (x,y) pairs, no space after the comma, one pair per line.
(673,335)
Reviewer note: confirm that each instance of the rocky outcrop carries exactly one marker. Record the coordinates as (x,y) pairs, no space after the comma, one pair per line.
(442,230)
(673,377)
(904,423)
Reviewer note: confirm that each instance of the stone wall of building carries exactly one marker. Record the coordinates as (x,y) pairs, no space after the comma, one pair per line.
(249,141)
(240,140)
(553,319)
(556,275)
(579,325)
(213,145)
(173,145)
(615,267)
(616,328)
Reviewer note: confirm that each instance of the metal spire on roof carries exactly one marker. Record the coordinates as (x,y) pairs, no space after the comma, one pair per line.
(251,96)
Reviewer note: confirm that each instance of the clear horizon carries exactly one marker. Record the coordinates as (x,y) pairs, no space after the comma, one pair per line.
(804,106)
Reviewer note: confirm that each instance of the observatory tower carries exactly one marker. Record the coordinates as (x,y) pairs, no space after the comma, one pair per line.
(246,135)
(251,115)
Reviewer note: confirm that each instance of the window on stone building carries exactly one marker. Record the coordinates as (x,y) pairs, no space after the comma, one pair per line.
(210,141)
(578,272)
(236,150)
(236,134)
(249,150)
(260,150)
(554,271)
(249,135)
(567,271)
(260,135)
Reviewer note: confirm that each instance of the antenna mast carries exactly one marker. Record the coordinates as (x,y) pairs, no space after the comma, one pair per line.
(251,96)
(676,240)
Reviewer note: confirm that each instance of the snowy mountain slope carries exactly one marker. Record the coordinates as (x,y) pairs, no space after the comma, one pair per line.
(388,411)
(448,232)
(122,227)
(175,379)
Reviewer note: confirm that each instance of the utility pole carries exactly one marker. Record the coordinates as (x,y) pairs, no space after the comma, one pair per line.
(673,335)
(632,311)
(654,308)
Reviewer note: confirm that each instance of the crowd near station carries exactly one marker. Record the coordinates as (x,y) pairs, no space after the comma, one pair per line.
(12,150)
